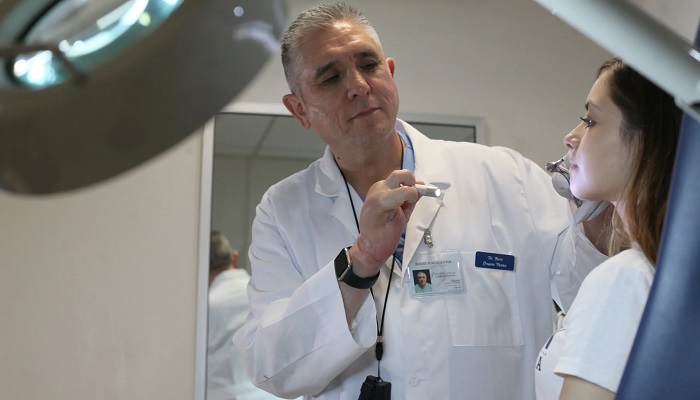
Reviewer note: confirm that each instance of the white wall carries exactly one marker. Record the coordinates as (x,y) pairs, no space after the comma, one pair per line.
(98,286)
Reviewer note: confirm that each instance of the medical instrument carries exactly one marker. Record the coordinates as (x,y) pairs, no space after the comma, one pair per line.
(428,190)
(557,166)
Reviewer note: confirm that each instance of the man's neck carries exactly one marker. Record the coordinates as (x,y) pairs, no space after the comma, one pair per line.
(371,165)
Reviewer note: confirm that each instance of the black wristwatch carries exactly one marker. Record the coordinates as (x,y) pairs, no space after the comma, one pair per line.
(343,271)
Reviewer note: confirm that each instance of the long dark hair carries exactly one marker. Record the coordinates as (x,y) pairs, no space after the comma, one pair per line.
(650,127)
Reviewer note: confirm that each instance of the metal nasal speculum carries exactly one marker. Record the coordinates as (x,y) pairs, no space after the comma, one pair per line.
(558,166)
(561,184)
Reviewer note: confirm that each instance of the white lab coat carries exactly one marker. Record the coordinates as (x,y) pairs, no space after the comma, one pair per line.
(228,307)
(480,344)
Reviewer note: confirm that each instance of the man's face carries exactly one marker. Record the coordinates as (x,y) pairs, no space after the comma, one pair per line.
(422,279)
(347,92)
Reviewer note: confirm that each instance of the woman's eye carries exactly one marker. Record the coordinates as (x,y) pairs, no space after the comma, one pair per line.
(589,122)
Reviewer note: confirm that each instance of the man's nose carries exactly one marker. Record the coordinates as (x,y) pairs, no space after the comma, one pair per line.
(357,85)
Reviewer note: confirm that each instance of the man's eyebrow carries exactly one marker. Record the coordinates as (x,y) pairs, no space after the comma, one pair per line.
(366,54)
(320,71)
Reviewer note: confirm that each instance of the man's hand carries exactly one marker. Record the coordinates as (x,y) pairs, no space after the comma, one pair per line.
(384,216)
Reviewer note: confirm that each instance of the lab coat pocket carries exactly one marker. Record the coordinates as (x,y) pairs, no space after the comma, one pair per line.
(487,312)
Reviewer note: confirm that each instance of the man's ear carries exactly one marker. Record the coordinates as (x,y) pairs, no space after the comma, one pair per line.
(390,62)
(296,106)
(234,258)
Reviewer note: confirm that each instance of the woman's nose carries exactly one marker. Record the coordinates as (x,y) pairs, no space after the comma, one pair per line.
(571,139)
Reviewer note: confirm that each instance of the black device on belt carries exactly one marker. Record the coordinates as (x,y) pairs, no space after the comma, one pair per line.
(375,388)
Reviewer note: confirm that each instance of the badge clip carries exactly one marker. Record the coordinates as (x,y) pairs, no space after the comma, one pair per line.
(428,238)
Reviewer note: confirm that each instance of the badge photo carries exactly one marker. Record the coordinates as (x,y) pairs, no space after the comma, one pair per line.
(432,274)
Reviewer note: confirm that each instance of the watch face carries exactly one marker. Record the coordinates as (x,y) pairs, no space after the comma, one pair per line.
(342,264)
(343,271)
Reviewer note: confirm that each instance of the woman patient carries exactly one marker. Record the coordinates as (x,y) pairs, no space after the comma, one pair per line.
(622,151)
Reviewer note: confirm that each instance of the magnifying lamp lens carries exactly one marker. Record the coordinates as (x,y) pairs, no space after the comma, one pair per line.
(88,34)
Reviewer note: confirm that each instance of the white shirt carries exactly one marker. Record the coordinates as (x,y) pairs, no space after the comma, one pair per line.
(600,328)
(228,308)
(478,344)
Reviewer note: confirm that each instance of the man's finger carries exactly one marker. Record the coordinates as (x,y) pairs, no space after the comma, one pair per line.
(400,177)
(391,199)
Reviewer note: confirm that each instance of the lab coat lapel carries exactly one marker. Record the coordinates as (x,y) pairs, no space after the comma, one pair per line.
(330,183)
(430,169)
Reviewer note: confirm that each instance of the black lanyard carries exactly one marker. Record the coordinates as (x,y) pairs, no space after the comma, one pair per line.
(379,345)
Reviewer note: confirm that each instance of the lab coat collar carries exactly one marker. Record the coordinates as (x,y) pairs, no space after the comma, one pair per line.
(330,183)
(329,180)
(227,276)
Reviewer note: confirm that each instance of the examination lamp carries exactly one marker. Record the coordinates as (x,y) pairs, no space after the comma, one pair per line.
(653,50)
(92,88)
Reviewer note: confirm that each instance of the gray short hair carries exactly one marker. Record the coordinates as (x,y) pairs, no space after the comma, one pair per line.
(219,251)
(321,16)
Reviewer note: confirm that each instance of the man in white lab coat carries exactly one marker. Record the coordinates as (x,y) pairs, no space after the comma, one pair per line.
(228,307)
(499,244)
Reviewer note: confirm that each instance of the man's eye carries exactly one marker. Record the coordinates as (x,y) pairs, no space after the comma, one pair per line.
(370,66)
(589,122)
(330,80)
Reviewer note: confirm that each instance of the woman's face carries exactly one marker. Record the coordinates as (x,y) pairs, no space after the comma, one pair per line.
(600,162)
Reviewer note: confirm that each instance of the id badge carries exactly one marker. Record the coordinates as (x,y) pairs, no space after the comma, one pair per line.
(432,274)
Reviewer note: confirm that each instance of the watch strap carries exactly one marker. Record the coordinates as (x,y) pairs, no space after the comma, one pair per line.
(344,272)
